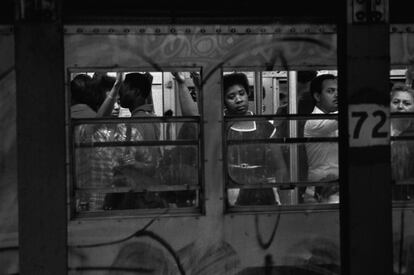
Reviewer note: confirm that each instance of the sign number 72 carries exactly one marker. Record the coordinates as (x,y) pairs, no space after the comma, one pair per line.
(375,132)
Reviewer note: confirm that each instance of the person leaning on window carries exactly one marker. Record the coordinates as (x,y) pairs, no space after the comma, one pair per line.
(323,157)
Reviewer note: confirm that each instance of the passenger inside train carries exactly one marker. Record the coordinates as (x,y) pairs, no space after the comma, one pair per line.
(91,100)
(87,96)
(250,164)
(115,172)
(246,164)
(402,151)
(323,157)
(137,165)
(112,170)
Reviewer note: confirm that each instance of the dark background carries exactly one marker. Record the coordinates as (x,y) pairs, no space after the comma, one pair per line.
(214,11)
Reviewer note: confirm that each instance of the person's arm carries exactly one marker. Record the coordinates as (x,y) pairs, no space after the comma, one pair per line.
(106,108)
(188,106)
(320,128)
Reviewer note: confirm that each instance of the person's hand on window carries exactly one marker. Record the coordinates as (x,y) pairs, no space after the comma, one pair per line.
(179,77)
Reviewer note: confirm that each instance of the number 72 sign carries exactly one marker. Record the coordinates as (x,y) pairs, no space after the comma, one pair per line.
(369,125)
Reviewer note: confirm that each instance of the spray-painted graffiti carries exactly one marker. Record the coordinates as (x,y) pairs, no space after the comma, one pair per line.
(146,252)
(271,51)
(155,251)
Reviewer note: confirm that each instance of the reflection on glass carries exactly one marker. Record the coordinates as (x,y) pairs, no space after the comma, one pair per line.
(109,160)
(402,163)
(258,162)
(259,168)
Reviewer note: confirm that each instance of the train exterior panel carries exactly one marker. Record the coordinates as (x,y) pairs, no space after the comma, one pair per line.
(291,239)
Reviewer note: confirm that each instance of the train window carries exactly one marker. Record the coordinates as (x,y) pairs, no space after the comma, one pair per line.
(402,134)
(289,158)
(140,155)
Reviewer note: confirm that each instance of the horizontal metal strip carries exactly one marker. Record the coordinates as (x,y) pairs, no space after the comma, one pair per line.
(409,181)
(202,29)
(280,117)
(130,120)
(402,138)
(155,188)
(283,185)
(283,140)
(275,209)
(187,29)
(181,211)
(136,143)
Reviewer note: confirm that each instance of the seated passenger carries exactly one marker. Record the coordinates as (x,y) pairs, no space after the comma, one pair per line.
(402,152)
(137,166)
(323,157)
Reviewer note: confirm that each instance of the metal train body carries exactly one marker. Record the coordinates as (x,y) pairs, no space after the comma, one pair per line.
(212,239)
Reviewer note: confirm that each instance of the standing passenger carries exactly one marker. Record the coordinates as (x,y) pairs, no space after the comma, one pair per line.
(323,157)
(84,99)
(138,165)
(135,91)
(247,164)
(91,166)
(250,164)
(402,152)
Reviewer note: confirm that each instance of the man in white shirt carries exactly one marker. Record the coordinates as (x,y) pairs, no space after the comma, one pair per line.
(323,157)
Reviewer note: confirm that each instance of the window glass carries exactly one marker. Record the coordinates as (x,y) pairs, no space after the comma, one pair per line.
(139,152)
(281,149)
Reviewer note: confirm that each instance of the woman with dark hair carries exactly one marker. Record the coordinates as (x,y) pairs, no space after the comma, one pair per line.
(91,164)
(87,98)
(247,164)
(250,163)
(82,98)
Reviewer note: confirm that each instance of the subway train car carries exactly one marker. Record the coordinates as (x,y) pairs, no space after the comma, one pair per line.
(194,198)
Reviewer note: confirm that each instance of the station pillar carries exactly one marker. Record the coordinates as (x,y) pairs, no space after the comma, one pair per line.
(364,155)
(39,60)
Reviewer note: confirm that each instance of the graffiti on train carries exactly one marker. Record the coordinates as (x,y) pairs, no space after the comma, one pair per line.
(207,50)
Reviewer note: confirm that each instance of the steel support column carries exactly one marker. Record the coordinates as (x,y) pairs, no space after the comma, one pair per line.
(41,138)
(364,157)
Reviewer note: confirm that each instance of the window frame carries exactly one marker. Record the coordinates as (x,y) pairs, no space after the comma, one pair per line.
(299,207)
(71,123)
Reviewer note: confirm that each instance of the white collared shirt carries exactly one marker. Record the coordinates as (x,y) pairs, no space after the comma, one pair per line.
(322,157)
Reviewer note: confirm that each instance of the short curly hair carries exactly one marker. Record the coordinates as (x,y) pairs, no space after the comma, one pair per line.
(235,79)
